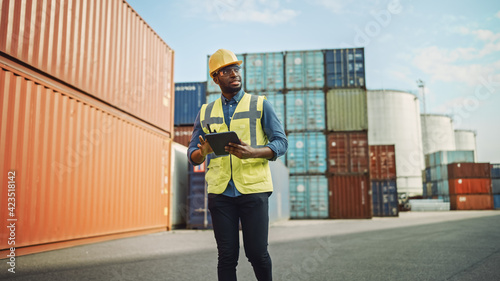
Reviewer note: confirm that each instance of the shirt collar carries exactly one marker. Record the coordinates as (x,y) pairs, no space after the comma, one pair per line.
(236,98)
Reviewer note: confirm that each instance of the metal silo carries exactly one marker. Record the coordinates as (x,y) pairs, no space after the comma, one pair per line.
(437,133)
(394,118)
(466,140)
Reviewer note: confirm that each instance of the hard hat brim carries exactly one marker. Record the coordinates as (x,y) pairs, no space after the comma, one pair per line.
(238,62)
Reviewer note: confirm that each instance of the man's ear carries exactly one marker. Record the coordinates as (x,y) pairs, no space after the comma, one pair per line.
(216,80)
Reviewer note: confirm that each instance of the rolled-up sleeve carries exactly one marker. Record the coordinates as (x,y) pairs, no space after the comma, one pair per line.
(273,128)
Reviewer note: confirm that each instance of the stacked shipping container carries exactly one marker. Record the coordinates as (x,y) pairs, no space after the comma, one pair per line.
(436,172)
(189,97)
(87,131)
(495,185)
(383,180)
(470,186)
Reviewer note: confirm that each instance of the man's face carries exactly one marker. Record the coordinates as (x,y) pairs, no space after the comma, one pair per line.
(229,79)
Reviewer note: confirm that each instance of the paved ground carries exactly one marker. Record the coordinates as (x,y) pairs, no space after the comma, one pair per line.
(416,246)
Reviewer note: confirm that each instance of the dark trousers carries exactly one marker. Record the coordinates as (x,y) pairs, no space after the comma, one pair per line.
(253,211)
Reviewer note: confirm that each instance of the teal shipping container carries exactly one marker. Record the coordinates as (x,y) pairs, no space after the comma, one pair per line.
(306,153)
(212,97)
(308,197)
(277,100)
(305,110)
(264,72)
(439,172)
(443,188)
(447,157)
(304,69)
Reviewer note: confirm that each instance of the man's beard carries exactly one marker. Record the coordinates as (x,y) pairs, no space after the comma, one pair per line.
(230,90)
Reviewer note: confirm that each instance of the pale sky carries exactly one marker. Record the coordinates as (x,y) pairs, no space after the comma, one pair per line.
(453,46)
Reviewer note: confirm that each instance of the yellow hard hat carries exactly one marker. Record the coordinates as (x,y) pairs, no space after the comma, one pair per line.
(220,59)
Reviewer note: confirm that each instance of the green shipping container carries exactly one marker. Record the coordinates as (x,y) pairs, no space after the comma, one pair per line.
(346,110)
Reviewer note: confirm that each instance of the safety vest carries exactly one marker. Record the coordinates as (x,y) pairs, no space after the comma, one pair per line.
(249,175)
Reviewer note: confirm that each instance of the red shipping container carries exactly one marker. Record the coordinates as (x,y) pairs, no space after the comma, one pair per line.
(469,170)
(182,134)
(348,153)
(471,202)
(382,162)
(350,197)
(469,186)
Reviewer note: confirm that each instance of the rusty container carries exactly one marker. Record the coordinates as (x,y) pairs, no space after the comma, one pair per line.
(348,152)
(469,186)
(471,202)
(82,169)
(350,197)
(382,162)
(103,48)
(469,170)
(182,134)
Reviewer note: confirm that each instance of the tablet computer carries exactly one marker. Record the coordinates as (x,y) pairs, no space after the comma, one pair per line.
(219,140)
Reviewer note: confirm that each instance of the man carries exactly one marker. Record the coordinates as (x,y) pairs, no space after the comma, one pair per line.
(239,184)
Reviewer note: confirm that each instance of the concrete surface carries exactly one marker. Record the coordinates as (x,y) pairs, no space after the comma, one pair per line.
(456,245)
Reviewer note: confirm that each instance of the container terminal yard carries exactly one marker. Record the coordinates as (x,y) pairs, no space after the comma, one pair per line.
(96,184)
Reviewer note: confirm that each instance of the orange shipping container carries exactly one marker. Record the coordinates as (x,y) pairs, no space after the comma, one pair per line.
(182,134)
(471,202)
(103,48)
(350,197)
(469,186)
(81,169)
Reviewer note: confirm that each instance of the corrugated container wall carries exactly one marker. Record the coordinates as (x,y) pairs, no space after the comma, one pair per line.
(103,48)
(394,118)
(350,197)
(382,162)
(264,72)
(496,201)
(308,197)
(345,68)
(83,169)
(466,140)
(198,214)
(305,110)
(469,186)
(189,97)
(346,110)
(348,153)
(277,100)
(304,70)
(448,157)
(471,202)
(183,134)
(469,170)
(385,198)
(437,133)
(306,153)
(495,171)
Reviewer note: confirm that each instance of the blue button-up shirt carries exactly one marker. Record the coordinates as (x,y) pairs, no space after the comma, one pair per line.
(270,124)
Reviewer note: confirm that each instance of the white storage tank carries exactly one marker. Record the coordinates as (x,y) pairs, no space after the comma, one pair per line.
(466,140)
(394,118)
(437,133)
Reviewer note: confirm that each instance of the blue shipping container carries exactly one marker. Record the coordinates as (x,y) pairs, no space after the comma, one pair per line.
(277,99)
(306,153)
(304,69)
(212,97)
(385,198)
(264,72)
(345,68)
(496,201)
(198,215)
(495,186)
(495,171)
(308,197)
(305,110)
(189,97)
